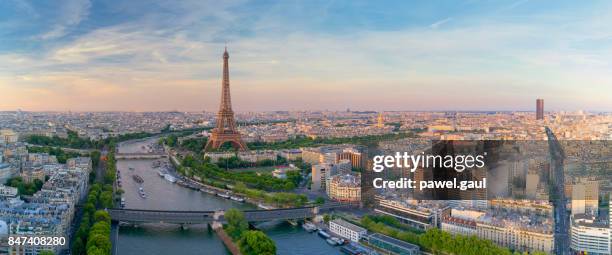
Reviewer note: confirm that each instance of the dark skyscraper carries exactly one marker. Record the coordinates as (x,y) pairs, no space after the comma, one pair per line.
(539,109)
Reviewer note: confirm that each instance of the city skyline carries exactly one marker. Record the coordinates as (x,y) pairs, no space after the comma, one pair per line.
(163,56)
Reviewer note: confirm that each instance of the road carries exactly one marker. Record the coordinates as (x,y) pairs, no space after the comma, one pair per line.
(559,200)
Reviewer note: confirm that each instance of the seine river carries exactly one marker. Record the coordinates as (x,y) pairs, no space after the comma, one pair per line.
(195,239)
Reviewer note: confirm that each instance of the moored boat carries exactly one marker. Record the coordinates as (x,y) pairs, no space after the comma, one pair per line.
(331,242)
(323,234)
(309,227)
(237,199)
(137,178)
(169,178)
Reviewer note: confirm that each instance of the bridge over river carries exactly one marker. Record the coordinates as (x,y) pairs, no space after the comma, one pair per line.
(199,217)
(140,155)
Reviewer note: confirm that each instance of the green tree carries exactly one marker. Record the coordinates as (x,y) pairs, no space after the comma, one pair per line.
(46,252)
(320,200)
(78,247)
(95,250)
(236,223)
(106,199)
(95,158)
(103,216)
(326,218)
(255,242)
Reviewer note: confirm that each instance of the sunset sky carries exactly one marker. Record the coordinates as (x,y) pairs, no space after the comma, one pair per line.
(83,55)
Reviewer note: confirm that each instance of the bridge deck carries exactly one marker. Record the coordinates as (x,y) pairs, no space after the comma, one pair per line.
(195,217)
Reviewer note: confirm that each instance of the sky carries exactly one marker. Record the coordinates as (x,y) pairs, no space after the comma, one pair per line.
(162,55)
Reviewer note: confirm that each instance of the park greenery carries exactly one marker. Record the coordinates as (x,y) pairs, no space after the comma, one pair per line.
(72,140)
(303,141)
(393,222)
(434,240)
(25,188)
(93,234)
(279,199)
(257,180)
(258,186)
(251,242)
(255,242)
(196,145)
(111,167)
(235,162)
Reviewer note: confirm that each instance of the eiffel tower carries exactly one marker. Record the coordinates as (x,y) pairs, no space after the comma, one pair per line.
(226,125)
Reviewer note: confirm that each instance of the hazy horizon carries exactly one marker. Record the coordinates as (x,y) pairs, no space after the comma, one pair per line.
(148,56)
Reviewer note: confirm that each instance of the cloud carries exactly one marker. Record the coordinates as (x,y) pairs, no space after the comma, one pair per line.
(71,13)
(439,23)
(158,62)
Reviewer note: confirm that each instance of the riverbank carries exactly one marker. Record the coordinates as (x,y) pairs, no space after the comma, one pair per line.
(227,241)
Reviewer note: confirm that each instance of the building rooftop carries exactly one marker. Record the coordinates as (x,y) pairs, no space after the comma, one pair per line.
(348,225)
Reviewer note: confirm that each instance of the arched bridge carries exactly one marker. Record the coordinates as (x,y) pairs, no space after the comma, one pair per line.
(197,217)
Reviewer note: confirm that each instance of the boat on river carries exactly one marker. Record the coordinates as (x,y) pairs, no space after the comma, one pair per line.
(331,242)
(169,178)
(338,241)
(265,207)
(323,234)
(137,178)
(223,195)
(237,199)
(309,227)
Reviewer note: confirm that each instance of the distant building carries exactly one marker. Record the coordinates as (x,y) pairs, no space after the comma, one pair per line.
(291,154)
(380,122)
(392,245)
(8,136)
(7,171)
(585,197)
(518,234)
(343,166)
(356,155)
(216,156)
(30,175)
(319,176)
(539,109)
(259,155)
(421,215)
(461,222)
(79,162)
(345,188)
(347,230)
(333,154)
(589,236)
(7,191)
